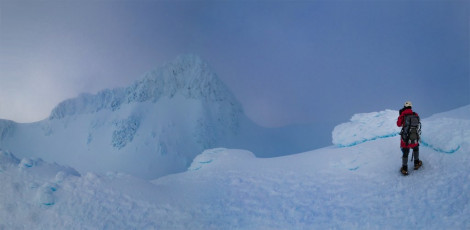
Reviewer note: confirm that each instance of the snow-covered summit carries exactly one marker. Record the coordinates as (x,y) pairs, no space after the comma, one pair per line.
(153,127)
(187,75)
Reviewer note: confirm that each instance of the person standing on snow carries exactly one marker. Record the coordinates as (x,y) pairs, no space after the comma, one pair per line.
(411,129)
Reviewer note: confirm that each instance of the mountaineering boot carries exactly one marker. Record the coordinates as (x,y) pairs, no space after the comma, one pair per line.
(404,170)
(418,164)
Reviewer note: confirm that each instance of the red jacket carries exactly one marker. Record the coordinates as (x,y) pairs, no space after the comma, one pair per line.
(400,121)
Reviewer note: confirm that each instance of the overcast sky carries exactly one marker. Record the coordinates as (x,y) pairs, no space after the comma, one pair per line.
(286,61)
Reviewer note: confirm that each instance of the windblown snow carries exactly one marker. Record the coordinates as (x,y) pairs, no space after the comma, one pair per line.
(354,184)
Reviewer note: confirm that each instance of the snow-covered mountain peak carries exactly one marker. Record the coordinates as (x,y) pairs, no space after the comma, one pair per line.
(153,127)
(184,70)
(187,75)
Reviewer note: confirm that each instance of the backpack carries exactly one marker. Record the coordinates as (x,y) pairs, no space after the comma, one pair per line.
(411,131)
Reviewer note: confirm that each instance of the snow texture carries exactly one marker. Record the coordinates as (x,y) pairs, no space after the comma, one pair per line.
(354,187)
(366,127)
(208,157)
(125,131)
(442,133)
(447,132)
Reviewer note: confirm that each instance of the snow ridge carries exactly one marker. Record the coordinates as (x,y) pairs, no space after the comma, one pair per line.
(187,75)
(366,127)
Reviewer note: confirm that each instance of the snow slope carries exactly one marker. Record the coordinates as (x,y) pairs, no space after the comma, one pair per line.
(154,127)
(353,187)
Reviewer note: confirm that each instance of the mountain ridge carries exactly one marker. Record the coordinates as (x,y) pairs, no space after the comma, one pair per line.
(188,75)
(151,128)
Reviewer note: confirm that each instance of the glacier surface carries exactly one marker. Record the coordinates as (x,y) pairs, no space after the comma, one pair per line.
(350,187)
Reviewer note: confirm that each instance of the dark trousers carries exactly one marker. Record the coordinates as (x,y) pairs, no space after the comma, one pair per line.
(406,151)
